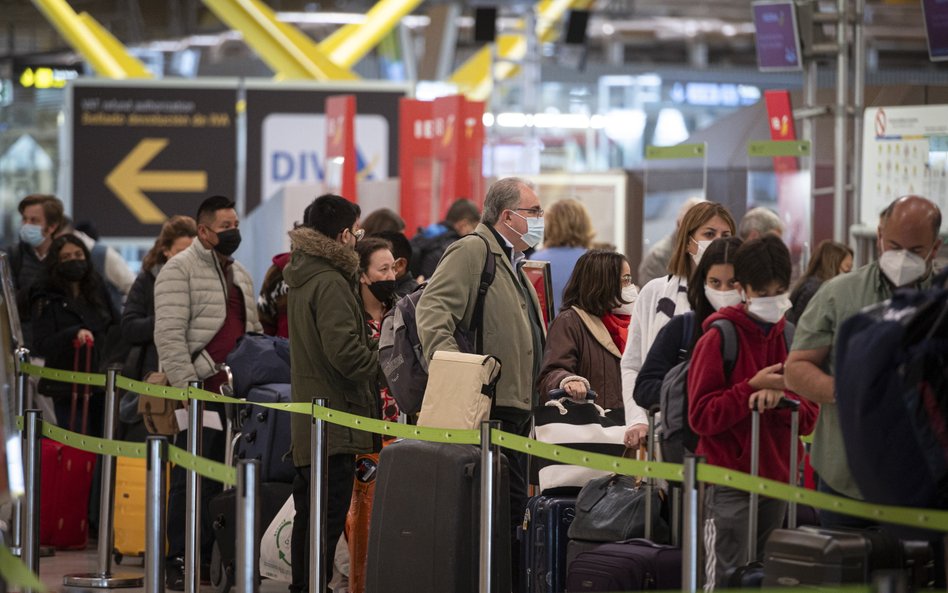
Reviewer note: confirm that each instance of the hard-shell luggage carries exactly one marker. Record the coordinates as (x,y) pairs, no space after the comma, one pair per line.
(633,565)
(66,476)
(265,433)
(128,515)
(543,542)
(223,509)
(423,536)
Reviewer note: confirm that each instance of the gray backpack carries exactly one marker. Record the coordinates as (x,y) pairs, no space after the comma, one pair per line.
(676,436)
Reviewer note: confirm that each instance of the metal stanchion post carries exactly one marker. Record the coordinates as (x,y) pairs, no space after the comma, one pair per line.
(489,478)
(794,470)
(650,455)
(318,493)
(32,425)
(754,470)
(192,527)
(103,577)
(248,517)
(689,536)
(21,356)
(155,513)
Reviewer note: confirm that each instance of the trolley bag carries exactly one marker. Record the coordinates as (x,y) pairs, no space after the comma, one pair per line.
(543,542)
(751,575)
(66,475)
(128,515)
(423,537)
(223,510)
(265,433)
(633,565)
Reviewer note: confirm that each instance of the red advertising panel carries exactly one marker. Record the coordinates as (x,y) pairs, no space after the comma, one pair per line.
(416,131)
(449,183)
(780,114)
(473,155)
(793,206)
(340,146)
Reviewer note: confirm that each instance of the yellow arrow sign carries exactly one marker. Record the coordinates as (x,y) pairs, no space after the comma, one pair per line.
(128,182)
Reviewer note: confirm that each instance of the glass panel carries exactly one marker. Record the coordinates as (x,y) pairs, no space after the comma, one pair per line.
(673,175)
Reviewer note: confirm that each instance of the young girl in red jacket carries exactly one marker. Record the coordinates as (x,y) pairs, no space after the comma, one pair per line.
(719,406)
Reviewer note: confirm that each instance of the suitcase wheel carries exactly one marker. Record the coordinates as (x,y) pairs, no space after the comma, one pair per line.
(117,557)
(222,575)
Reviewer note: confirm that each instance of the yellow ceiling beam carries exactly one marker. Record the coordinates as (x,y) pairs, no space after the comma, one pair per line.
(349,44)
(286,50)
(473,77)
(107,55)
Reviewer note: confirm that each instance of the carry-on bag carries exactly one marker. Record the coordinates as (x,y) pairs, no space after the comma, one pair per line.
(265,433)
(460,390)
(423,537)
(543,541)
(66,474)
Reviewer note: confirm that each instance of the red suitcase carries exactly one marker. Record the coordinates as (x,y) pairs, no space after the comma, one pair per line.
(66,480)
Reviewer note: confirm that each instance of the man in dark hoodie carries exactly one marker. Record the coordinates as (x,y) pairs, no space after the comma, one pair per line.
(330,357)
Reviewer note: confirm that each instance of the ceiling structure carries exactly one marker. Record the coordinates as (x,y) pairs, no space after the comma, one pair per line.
(691,33)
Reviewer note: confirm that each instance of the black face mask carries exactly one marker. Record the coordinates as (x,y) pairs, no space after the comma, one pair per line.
(74,270)
(227,241)
(382,290)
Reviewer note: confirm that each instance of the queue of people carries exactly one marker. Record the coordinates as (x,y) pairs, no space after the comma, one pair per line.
(328,296)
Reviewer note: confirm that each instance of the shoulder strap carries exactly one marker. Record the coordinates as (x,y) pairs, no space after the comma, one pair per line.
(729,344)
(788,330)
(487,278)
(688,331)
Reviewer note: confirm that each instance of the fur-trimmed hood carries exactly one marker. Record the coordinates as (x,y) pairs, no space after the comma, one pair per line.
(307,244)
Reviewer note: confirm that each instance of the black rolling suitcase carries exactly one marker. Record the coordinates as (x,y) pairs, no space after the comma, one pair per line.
(543,543)
(423,536)
(223,510)
(265,433)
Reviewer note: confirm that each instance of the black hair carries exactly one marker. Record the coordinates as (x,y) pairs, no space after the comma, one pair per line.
(720,251)
(401,247)
(762,261)
(90,287)
(331,214)
(209,207)
(595,285)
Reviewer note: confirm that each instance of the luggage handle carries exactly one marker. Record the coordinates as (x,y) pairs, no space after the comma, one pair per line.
(794,407)
(561,393)
(87,389)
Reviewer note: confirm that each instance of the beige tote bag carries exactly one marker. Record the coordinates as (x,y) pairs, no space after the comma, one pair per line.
(460,390)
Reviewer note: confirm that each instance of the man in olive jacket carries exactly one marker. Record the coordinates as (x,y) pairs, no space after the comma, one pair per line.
(511,223)
(330,357)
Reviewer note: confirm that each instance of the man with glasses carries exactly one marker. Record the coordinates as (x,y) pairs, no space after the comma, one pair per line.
(512,222)
(330,357)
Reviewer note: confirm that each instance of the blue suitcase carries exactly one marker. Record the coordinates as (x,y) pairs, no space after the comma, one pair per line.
(543,541)
(265,433)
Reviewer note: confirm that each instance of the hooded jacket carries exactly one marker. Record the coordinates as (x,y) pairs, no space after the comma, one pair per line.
(718,406)
(190,308)
(330,353)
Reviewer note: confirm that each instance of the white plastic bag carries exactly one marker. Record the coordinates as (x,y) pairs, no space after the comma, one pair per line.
(275,562)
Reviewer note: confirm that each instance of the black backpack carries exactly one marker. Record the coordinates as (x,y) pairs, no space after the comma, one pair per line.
(677,437)
(400,354)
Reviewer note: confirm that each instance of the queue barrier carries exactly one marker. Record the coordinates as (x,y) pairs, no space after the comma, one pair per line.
(14,572)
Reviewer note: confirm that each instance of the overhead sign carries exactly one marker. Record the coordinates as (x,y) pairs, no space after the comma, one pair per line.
(141,154)
(777,36)
(936,28)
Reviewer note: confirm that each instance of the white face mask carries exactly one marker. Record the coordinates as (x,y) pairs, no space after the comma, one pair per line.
(902,267)
(702,247)
(769,309)
(722,298)
(629,294)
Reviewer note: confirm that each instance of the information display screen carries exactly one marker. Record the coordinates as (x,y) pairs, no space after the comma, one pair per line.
(936,28)
(777,36)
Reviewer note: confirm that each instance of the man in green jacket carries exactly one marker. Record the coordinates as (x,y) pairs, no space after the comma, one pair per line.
(512,222)
(331,358)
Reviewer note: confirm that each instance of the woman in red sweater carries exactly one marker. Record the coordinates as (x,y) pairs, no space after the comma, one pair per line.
(719,406)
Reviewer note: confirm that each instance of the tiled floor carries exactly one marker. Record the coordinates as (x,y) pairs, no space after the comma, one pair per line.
(53,568)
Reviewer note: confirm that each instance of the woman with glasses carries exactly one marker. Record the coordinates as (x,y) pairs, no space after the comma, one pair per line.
(663,298)
(585,343)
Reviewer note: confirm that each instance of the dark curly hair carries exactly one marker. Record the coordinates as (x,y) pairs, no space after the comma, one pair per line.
(91,287)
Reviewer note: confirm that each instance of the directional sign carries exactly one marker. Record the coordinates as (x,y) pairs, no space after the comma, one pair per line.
(143,153)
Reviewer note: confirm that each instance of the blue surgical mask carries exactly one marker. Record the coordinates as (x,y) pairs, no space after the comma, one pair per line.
(32,235)
(534,234)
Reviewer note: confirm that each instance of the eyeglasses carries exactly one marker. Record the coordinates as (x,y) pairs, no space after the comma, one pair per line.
(626,280)
(534,212)
(358,234)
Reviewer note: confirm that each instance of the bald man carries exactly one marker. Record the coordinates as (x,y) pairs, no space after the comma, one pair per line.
(908,241)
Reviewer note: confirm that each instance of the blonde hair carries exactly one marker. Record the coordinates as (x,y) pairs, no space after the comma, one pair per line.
(681,263)
(568,225)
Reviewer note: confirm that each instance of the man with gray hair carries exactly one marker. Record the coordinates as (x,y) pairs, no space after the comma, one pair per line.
(512,222)
(759,221)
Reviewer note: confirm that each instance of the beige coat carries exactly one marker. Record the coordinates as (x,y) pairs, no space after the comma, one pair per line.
(190,307)
(448,301)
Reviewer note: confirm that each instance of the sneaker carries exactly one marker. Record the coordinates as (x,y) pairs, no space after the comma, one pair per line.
(174,574)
